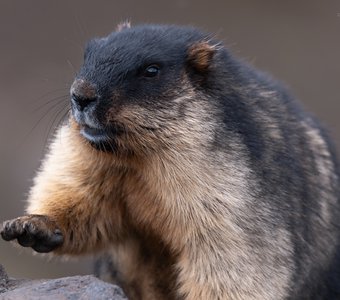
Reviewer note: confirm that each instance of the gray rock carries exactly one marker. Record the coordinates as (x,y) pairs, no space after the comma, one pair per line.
(3,280)
(67,288)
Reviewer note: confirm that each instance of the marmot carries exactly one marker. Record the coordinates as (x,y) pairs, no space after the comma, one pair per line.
(200,177)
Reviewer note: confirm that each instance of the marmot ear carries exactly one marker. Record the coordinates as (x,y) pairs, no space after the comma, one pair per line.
(123,25)
(200,56)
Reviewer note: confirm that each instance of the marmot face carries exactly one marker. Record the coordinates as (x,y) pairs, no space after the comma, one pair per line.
(135,85)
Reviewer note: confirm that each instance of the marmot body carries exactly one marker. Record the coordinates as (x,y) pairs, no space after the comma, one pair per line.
(200,177)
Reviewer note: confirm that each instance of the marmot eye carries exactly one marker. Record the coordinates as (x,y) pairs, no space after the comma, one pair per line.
(151,71)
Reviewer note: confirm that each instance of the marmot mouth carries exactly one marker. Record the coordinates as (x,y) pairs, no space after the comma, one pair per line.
(101,139)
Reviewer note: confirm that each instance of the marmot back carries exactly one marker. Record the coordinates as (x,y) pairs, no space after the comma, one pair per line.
(200,177)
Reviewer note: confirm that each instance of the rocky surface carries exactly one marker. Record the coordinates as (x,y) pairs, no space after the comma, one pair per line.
(70,288)
(3,280)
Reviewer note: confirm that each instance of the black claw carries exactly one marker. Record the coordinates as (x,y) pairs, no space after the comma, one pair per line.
(3,234)
(29,235)
(7,233)
(26,239)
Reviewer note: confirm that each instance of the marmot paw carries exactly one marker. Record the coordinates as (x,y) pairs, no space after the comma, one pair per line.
(36,231)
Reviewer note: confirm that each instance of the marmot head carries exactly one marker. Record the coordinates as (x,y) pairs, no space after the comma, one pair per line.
(136,86)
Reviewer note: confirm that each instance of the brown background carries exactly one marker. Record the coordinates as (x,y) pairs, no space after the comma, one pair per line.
(41,47)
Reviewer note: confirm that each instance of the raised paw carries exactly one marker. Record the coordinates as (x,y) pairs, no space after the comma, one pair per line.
(36,231)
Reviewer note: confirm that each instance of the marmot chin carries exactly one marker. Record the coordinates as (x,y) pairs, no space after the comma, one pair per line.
(200,177)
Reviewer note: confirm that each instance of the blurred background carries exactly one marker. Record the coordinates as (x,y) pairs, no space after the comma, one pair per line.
(41,45)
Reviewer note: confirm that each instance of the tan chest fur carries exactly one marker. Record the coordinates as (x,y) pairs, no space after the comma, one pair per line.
(168,223)
(197,175)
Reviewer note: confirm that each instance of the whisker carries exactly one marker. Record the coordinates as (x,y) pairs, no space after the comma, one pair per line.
(52,126)
(40,119)
(30,131)
(80,27)
(59,113)
(51,92)
(72,67)
(63,118)
(43,96)
(61,98)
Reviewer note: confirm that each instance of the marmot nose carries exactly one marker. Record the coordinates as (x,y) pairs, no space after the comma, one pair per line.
(83,94)
(81,102)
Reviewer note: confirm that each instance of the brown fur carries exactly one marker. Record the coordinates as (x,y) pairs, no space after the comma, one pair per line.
(200,55)
(187,206)
(91,194)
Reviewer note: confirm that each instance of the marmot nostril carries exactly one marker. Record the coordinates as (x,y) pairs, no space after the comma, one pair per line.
(81,102)
(83,93)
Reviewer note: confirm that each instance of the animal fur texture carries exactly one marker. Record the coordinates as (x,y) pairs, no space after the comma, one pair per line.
(198,176)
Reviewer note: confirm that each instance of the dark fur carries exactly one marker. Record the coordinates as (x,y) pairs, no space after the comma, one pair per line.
(293,185)
(283,169)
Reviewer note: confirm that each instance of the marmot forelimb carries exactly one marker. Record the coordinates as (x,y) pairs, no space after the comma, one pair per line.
(198,176)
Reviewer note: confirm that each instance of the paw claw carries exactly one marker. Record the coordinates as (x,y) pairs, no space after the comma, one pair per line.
(26,240)
(8,231)
(35,231)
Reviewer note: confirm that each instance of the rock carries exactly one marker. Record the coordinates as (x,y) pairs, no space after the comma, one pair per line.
(3,280)
(67,288)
